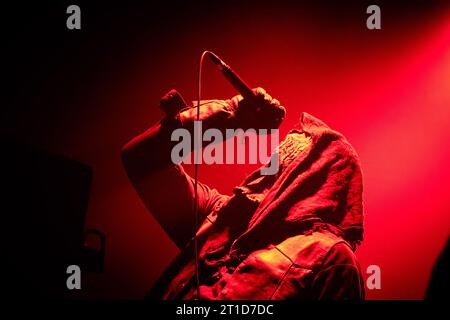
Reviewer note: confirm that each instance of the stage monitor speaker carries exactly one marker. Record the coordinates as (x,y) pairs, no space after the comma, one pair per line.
(44,203)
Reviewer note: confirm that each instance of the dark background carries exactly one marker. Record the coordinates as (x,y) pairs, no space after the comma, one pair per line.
(83,93)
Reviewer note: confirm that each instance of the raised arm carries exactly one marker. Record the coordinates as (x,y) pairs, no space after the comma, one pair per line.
(166,190)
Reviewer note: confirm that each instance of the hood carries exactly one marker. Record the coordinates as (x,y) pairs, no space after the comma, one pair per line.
(319,183)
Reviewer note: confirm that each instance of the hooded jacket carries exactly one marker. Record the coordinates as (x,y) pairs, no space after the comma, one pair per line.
(287,236)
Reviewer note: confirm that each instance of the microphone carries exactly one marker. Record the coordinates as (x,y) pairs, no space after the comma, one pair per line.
(233,77)
(172,102)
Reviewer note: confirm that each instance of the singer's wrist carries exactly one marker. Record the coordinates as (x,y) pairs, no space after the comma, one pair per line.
(214,114)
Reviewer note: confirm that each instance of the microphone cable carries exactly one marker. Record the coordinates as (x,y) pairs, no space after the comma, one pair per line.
(196,162)
(247,93)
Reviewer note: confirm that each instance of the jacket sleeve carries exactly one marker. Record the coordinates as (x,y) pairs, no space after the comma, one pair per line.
(164,187)
(169,196)
(339,277)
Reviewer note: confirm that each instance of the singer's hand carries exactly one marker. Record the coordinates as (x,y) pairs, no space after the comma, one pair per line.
(264,112)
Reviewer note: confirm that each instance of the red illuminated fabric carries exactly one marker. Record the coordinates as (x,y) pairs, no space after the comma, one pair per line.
(322,183)
(285,236)
(281,237)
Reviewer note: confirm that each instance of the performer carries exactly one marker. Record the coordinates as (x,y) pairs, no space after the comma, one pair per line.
(291,235)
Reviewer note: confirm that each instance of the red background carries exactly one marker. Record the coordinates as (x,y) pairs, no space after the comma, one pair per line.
(85,93)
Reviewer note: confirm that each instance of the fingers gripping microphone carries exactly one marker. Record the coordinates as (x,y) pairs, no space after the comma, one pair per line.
(232,77)
(277,112)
